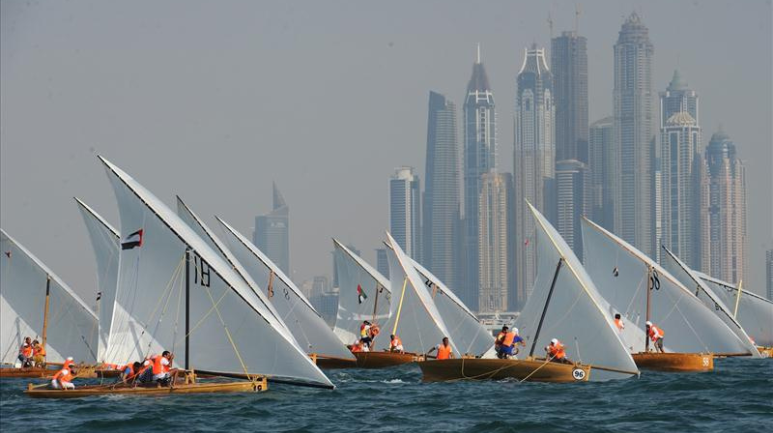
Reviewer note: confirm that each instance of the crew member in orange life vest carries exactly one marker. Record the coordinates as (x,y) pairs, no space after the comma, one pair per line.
(38,353)
(557,352)
(619,323)
(500,338)
(395,344)
(656,335)
(365,337)
(157,369)
(63,378)
(509,345)
(25,353)
(443,350)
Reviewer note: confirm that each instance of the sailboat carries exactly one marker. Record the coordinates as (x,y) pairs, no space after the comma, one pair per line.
(175,293)
(306,324)
(36,303)
(564,304)
(753,312)
(686,276)
(640,290)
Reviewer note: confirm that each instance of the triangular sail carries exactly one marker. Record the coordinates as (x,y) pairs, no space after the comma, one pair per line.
(106,243)
(415,319)
(469,334)
(755,313)
(175,293)
(308,327)
(689,279)
(622,275)
(363,294)
(71,325)
(573,311)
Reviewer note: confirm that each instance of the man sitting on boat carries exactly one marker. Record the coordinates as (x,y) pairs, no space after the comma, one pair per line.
(130,371)
(158,368)
(500,338)
(619,323)
(26,353)
(359,347)
(556,352)
(656,335)
(395,344)
(509,346)
(443,350)
(38,354)
(63,378)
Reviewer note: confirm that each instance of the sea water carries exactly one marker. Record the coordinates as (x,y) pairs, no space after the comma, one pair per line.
(737,397)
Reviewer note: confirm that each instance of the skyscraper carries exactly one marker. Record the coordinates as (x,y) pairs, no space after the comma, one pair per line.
(405,210)
(769,272)
(495,242)
(480,152)
(569,65)
(441,192)
(534,162)
(572,180)
(382,263)
(634,139)
(723,240)
(272,232)
(680,139)
(678,97)
(601,164)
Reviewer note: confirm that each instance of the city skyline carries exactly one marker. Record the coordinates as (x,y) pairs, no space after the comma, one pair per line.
(239,161)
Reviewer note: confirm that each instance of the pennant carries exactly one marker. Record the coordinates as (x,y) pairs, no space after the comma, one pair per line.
(615,271)
(132,241)
(8,253)
(361,296)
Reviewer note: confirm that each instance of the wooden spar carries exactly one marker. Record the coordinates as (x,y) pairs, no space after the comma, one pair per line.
(270,288)
(45,310)
(545,309)
(375,304)
(737,299)
(187,306)
(647,314)
(400,306)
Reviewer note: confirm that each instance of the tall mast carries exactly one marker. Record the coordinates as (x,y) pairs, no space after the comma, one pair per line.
(545,309)
(737,299)
(187,306)
(45,310)
(650,284)
(400,307)
(375,304)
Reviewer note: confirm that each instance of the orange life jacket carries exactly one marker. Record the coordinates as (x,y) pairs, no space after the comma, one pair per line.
(508,340)
(374,331)
(656,333)
(444,352)
(67,364)
(26,350)
(39,351)
(557,351)
(63,375)
(396,342)
(356,348)
(158,367)
(619,324)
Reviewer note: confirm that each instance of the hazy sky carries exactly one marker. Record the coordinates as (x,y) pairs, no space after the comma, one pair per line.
(214,100)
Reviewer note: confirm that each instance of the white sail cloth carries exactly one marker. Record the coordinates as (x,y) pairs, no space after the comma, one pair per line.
(468,333)
(72,326)
(169,279)
(414,316)
(621,274)
(106,243)
(755,313)
(363,294)
(576,314)
(308,327)
(685,275)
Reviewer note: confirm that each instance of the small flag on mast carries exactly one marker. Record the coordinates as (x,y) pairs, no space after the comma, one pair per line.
(133,240)
(361,296)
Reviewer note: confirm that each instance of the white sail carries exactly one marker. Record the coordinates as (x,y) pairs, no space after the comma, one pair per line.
(363,294)
(575,313)
(415,318)
(622,275)
(685,275)
(469,334)
(308,327)
(72,326)
(755,313)
(175,293)
(106,243)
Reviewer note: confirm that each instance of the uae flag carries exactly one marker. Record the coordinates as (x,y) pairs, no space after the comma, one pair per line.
(361,296)
(133,240)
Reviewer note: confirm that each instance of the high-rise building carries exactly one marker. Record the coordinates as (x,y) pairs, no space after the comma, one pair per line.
(335,268)
(405,210)
(441,227)
(572,180)
(769,272)
(569,65)
(272,232)
(382,263)
(495,242)
(634,139)
(601,152)
(480,153)
(723,211)
(679,141)
(676,98)
(534,162)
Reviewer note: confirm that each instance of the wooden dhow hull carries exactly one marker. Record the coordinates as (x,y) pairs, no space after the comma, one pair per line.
(675,362)
(385,359)
(28,373)
(535,370)
(332,362)
(766,352)
(154,389)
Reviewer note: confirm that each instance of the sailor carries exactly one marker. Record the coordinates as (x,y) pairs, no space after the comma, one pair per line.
(443,350)
(498,341)
(130,371)
(656,335)
(395,344)
(38,354)
(365,337)
(557,352)
(509,346)
(26,352)
(619,323)
(161,367)
(63,378)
